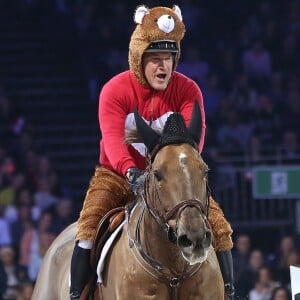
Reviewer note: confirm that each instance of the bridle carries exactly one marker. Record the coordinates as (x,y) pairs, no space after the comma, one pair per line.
(174,212)
(148,263)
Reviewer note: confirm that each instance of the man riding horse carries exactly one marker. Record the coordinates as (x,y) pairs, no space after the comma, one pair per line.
(155,89)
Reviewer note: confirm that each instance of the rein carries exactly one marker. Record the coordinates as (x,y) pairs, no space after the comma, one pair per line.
(148,263)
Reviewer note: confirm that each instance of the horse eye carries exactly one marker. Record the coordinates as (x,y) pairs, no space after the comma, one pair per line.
(155,20)
(158,175)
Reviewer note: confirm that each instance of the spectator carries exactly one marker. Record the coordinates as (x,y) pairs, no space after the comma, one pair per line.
(7,172)
(5,237)
(233,135)
(25,291)
(23,223)
(279,260)
(281,293)
(45,238)
(44,198)
(194,65)
(257,64)
(290,150)
(283,273)
(29,245)
(9,193)
(213,93)
(243,97)
(64,215)
(255,154)
(266,121)
(14,273)
(240,254)
(225,181)
(246,280)
(264,285)
(263,14)
(46,171)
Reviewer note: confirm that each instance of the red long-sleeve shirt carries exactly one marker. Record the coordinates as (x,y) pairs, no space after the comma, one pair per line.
(118,99)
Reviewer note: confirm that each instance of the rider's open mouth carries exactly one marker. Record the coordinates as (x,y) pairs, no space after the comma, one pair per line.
(161,76)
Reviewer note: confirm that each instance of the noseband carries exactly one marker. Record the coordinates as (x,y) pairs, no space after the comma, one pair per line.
(152,266)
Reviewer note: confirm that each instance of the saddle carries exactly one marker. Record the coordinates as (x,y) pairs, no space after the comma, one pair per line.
(106,227)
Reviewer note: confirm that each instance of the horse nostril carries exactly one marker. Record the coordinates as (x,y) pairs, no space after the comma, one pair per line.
(183,241)
(207,239)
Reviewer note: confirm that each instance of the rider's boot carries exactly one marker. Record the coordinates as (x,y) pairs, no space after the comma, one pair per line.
(80,271)
(226,266)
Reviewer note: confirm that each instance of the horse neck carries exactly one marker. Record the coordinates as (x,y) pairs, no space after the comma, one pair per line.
(156,244)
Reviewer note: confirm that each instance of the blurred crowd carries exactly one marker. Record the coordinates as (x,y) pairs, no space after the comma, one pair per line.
(34,207)
(261,275)
(244,57)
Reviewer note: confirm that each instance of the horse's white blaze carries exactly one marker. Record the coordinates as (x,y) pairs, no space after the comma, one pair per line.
(183,163)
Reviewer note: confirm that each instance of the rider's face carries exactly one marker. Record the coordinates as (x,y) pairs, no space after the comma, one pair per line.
(158,67)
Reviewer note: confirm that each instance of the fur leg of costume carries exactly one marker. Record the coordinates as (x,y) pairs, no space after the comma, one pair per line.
(221,229)
(107,190)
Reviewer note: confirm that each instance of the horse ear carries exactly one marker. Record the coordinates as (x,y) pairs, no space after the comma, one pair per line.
(149,136)
(195,125)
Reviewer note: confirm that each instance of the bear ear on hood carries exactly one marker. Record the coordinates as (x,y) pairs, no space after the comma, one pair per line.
(153,26)
(140,13)
(177,11)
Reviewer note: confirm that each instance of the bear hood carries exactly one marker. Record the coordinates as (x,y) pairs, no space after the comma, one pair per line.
(160,26)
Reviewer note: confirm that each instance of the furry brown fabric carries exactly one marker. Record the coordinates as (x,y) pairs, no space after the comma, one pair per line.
(107,190)
(222,230)
(148,32)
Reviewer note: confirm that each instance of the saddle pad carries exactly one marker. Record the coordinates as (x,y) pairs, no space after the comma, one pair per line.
(107,246)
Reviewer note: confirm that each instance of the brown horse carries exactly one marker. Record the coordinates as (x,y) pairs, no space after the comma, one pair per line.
(165,247)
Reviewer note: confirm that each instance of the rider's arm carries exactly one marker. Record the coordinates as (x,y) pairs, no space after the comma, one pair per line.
(112,114)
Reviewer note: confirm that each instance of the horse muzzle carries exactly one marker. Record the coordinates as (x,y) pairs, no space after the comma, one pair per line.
(193,236)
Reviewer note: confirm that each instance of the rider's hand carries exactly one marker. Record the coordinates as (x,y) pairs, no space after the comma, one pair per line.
(136,178)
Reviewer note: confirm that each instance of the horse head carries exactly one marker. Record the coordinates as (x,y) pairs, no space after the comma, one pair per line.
(176,191)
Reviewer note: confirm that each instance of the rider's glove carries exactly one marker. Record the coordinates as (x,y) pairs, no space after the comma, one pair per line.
(136,178)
